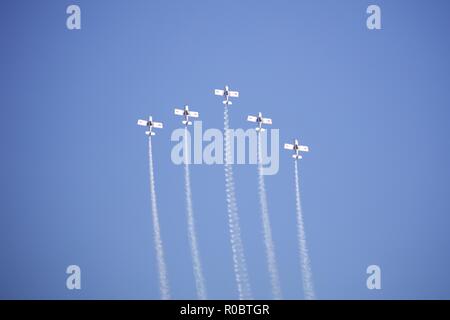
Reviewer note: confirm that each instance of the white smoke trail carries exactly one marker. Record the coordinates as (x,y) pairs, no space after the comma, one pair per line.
(267,230)
(162,270)
(308,287)
(239,263)
(197,266)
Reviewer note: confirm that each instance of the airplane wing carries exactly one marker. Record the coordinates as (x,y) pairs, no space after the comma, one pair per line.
(143,123)
(158,125)
(233,94)
(266,121)
(193,114)
(179,112)
(289,146)
(303,148)
(219,92)
(252,118)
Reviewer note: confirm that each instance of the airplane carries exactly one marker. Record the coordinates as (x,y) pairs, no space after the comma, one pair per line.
(297,148)
(150,124)
(227,93)
(260,120)
(186,113)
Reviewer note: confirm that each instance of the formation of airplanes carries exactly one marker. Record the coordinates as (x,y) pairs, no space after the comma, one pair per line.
(226,93)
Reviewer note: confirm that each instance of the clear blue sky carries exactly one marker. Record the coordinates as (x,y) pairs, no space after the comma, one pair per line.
(372,105)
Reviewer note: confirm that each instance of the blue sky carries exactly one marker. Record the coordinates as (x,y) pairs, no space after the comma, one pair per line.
(372,106)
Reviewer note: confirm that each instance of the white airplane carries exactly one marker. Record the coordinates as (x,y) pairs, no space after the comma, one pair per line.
(297,148)
(186,113)
(150,124)
(260,120)
(227,94)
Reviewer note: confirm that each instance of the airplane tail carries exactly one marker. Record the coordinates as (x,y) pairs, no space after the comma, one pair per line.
(187,122)
(296,156)
(260,129)
(150,133)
